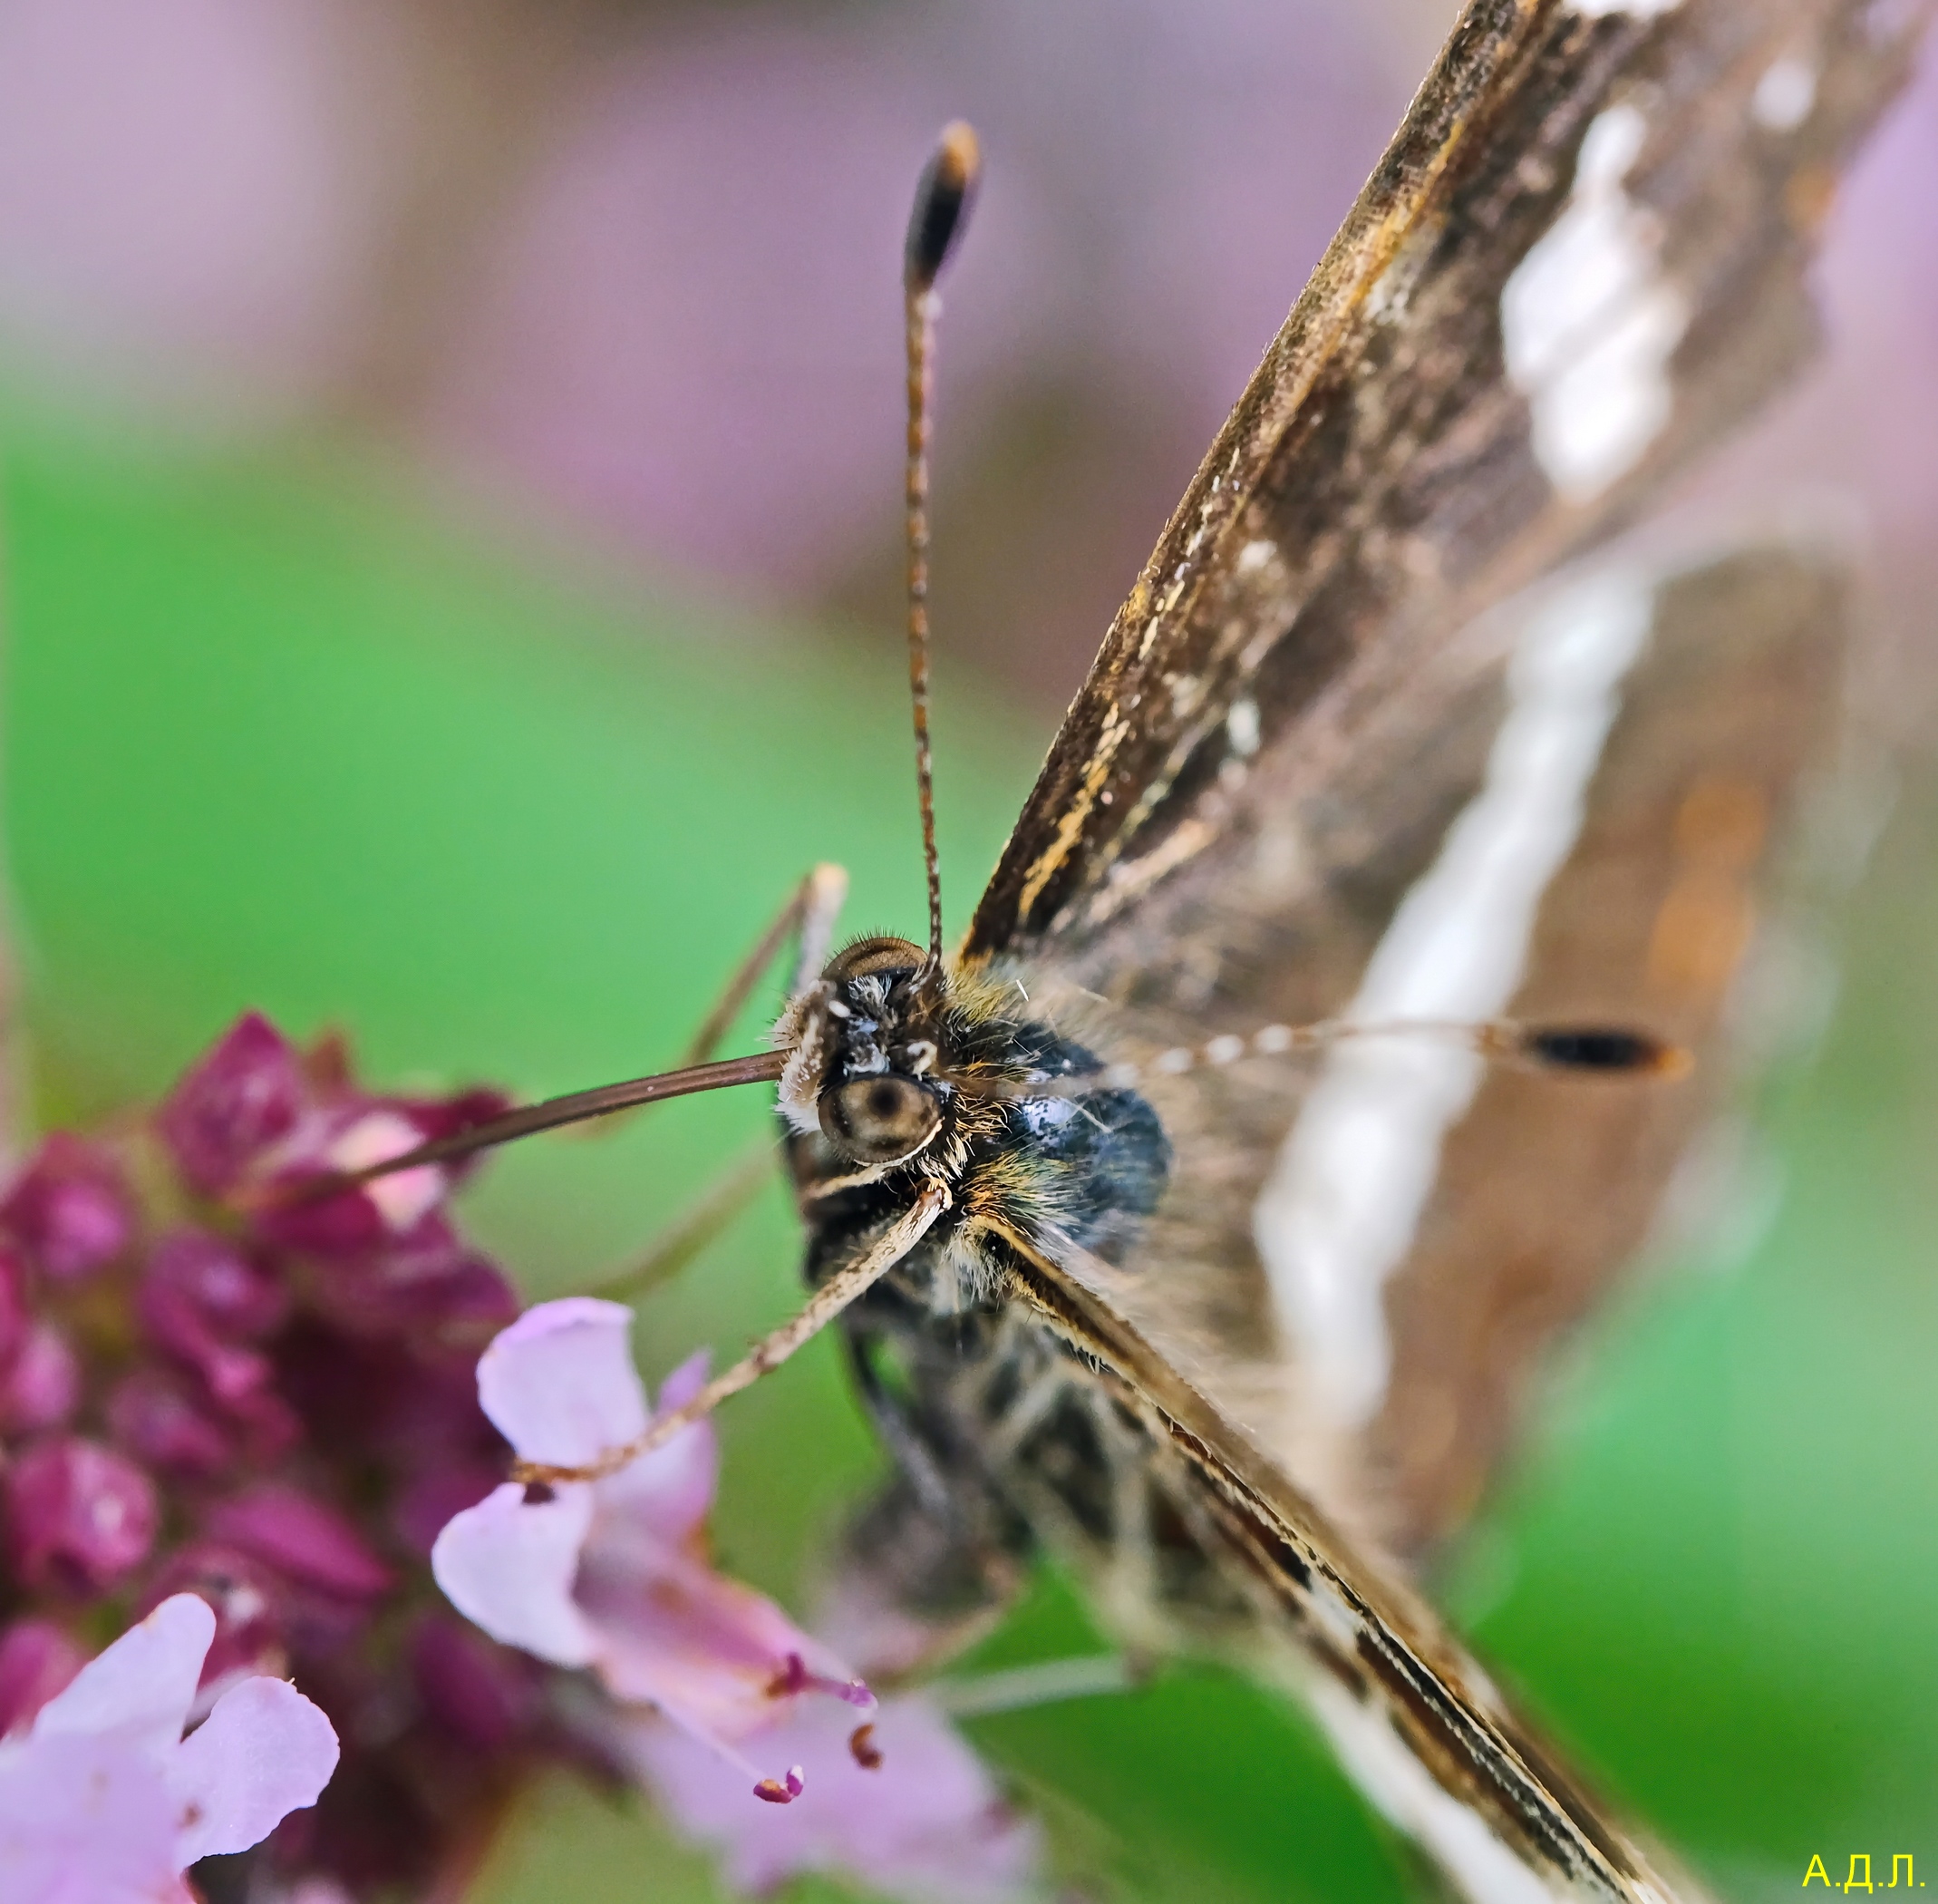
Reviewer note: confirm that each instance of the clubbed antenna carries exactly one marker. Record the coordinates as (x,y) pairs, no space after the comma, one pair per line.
(941,212)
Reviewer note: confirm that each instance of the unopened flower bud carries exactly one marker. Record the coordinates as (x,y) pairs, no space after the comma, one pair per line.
(79,1517)
(301,1539)
(173,1322)
(243,1098)
(483,1694)
(68,1212)
(237,1301)
(13,1305)
(248,1600)
(165,1430)
(266,1424)
(41,1387)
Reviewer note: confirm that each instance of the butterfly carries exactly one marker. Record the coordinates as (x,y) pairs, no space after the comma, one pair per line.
(1201,1217)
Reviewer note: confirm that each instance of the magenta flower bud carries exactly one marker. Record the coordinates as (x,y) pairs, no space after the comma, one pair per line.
(476,1295)
(427,1279)
(428,1500)
(243,1098)
(483,1694)
(267,1426)
(37,1659)
(41,1388)
(341,1224)
(173,1322)
(79,1517)
(302,1539)
(359,1132)
(68,1212)
(288,1408)
(12,1306)
(247,1600)
(156,1423)
(238,1301)
(199,1300)
(445,1116)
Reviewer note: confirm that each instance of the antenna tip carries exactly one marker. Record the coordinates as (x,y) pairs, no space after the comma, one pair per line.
(942,199)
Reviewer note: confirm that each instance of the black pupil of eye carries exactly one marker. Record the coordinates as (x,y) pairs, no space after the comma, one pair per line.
(879,1118)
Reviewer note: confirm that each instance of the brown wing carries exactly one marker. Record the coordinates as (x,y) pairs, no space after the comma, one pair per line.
(1415,1721)
(1566,817)
(1580,261)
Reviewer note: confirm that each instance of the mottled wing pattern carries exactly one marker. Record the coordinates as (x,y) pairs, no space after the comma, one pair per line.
(1566,817)
(1589,778)
(1318,769)
(1232,1552)
(1578,262)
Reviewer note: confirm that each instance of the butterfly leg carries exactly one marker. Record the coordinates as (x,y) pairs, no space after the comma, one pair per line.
(865,1268)
(810,912)
(938,1556)
(697,1226)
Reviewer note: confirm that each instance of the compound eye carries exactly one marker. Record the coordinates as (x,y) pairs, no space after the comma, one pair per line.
(880,1119)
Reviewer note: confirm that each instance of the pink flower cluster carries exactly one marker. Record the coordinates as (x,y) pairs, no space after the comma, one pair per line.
(254,1413)
(209,1388)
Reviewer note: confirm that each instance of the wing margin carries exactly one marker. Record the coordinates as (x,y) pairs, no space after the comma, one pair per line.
(1378,480)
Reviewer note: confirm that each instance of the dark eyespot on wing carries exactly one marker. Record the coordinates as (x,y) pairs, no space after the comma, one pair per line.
(1475,1218)
(1613,1049)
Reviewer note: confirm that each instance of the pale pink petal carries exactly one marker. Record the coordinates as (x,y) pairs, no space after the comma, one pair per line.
(508,1564)
(685,1382)
(560,1384)
(85,1818)
(103,1801)
(141,1688)
(607,1574)
(664,1497)
(862,1622)
(677,1634)
(376,1137)
(927,1824)
(263,1752)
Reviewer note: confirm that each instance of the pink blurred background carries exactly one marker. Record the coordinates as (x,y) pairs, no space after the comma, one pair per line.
(621,278)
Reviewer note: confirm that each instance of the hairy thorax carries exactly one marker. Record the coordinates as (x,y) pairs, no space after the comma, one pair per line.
(900,1076)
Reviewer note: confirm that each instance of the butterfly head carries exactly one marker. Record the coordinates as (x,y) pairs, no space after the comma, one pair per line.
(866,1040)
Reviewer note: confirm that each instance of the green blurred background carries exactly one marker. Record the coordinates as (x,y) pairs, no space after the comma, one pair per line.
(279,739)
(335,689)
